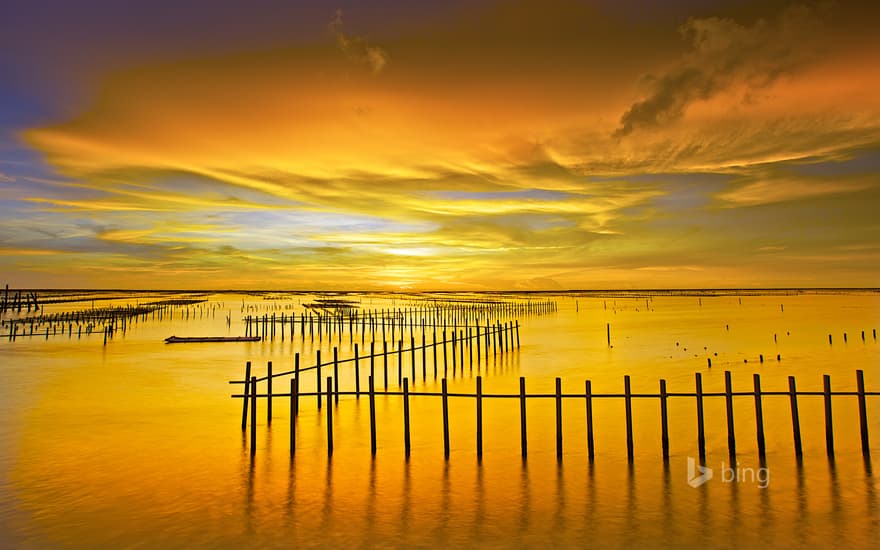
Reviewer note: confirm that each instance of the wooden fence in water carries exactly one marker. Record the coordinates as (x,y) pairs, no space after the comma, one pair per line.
(502,338)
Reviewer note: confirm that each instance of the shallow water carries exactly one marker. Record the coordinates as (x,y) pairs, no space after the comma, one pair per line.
(138,443)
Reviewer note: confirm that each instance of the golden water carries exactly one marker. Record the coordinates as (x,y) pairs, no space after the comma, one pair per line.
(138,443)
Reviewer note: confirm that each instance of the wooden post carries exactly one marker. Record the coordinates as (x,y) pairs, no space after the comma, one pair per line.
(434,351)
(629,427)
(296,377)
(253,415)
(829,429)
(479,417)
(269,393)
(759,416)
(522,415)
(795,418)
(372,390)
(357,373)
(728,396)
(292,414)
(445,398)
(517,334)
(608,333)
(329,416)
(406,442)
(424,356)
(701,434)
(244,407)
(335,377)
(589,394)
(863,413)
(558,419)
(664,421)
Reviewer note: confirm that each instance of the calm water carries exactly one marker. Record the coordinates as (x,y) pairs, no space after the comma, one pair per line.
(138,443)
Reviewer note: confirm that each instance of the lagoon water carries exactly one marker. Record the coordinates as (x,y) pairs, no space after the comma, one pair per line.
(138,444)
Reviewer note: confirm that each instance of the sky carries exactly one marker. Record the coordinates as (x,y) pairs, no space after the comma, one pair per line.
(462,145)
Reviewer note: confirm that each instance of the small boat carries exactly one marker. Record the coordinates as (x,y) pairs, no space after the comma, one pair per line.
(188,339)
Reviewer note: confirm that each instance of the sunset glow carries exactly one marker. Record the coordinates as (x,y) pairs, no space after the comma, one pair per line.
(482,145)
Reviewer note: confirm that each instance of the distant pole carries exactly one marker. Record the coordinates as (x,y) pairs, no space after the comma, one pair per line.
(608,333)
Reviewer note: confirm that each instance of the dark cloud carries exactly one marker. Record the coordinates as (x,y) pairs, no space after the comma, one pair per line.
(724,53)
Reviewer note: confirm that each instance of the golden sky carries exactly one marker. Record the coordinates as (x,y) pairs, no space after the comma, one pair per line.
(478,145)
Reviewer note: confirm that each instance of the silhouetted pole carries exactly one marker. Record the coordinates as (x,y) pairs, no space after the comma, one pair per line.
(479,416)
(558,419)
(759,416)
(445,398)
(627,397)
(795,417)
(253,415)
(522,415)
(406,442)
(588,385)
(728,397)
(244,407)
(664,421)
(863,412)
(701,434)
(372,416)
(829,429)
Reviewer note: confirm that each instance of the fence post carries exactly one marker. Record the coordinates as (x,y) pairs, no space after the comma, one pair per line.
(399,363)
(701,434)
(517,334)
(522,415)
(296,377)
(335,377)
(829,429)
(795,418)
(372,416)
(664,421)
(728,397)
(759,416)
(292,416)
(412,356)
(445,397)
(253,415)
(589,395)
(558,419)
(479,417)
(244,407)
(406,441)
(863,413)
(629,426)
(329,415)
